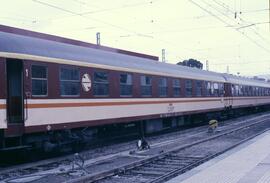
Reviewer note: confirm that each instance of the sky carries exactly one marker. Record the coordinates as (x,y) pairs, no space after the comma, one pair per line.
(232,35)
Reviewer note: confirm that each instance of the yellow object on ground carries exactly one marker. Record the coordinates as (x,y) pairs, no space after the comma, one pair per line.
(213,123)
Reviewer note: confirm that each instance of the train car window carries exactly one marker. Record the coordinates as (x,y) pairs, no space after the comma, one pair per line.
(39,80)
(253,91)
(188,85)
(216,89)
(146,86)
(260,91)
(241,90)
(245,90)
(125,85)
(101,84)
(221,89)
(198,88)
(69,82)
(176,88)
(257,91)
(208,88)
(236,90)
(233,90)
(162,87)
(250,91)
(264,92)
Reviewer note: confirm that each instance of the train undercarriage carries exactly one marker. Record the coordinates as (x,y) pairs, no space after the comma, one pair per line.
(74,140)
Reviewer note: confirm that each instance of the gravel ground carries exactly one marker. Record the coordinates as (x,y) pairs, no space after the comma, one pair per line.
(201,151)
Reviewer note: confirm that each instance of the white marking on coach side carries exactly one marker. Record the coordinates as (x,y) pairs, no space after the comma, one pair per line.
(86,82)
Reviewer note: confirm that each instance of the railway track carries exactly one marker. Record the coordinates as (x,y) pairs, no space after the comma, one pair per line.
(169,164)
(59,169)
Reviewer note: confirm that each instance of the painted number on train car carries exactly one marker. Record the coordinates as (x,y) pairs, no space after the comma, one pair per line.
(86,82)
(170,108)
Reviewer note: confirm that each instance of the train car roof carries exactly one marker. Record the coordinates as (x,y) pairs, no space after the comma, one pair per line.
(18,31)
(25,47)
(245,81)
(34,48)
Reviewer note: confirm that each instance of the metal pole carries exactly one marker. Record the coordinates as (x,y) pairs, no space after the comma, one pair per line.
(98,38)
(163,55)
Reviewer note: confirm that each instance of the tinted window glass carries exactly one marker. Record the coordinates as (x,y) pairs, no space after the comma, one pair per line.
(198,88)
(176,87)
(188,85)
(69,82)
(208,88)
(69,74)
(162,85)
(146,86)
(101,84)
(39,80)
(125,84)
(221,89)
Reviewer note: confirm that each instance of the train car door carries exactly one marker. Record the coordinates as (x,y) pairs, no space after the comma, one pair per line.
(228,95)
(15,97)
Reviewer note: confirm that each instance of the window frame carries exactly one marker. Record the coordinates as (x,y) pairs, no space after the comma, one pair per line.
(108,83)
(150,85)
(208,89)
(174,86)
(47,88)
(196,88)
(60,80)
(191,87)
(160,87)
(126,85)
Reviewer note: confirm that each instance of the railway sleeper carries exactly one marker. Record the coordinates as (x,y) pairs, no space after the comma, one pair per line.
(187,157)
(176,164)
(181,159)
(168,164)
(156,169)
(139,175)
(131,176)
(177,161)
(162,167)
(151,173)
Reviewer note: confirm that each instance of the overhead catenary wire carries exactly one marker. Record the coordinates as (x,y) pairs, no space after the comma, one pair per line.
(78,14)
(224,5)
(220,19)
(146,35)
(109,24)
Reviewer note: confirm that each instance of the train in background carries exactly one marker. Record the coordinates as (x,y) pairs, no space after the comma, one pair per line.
(55,90)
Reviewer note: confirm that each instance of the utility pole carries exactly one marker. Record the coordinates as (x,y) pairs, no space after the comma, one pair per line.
(207,65)
(228,69)
(163,55)
(98,38)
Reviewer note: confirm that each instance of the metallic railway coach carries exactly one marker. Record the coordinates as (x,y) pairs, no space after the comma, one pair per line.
(54,90)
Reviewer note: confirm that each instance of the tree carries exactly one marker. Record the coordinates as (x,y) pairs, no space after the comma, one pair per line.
(191,63)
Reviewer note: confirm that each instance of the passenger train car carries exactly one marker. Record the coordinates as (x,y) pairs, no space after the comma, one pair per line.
(50,85)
